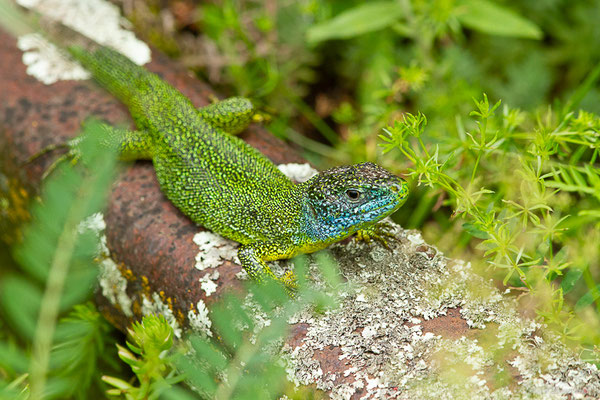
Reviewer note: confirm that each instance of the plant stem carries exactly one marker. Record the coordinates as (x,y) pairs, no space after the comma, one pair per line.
(475,167)
(46,324)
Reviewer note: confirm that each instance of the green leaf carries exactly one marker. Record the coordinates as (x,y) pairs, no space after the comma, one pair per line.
(356,21)
(199,374)
(209,353)
(16,389)
(116,382)
(570,279)
(20,300)
(491,18)
(591,213)
(178,393)
(474,231)
(13,358)
(588,298)
(80,340)
(583,89)
(51,249)
(224,324)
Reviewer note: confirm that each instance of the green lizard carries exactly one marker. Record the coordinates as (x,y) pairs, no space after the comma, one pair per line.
(229,187)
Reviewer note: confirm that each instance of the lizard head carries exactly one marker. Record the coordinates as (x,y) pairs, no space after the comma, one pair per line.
(346,199)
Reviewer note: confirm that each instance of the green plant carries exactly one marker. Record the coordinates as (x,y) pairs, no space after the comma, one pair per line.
(149,344)
(57,273)
(242,360)
(526,185)
(238,360)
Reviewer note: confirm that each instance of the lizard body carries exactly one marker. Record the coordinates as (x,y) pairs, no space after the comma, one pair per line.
(229,187)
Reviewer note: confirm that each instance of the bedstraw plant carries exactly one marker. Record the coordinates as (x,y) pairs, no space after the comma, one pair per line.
(526,187)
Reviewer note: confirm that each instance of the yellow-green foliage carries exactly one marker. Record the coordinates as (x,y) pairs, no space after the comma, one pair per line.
(526,188)
(42,356)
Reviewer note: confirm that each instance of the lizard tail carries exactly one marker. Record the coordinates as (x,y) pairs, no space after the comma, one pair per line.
(116,73)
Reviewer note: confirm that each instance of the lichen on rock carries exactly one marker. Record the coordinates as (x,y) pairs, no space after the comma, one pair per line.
(99,20)
(421,326)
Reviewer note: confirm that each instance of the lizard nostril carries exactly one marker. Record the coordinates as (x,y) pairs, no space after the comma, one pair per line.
(396,188)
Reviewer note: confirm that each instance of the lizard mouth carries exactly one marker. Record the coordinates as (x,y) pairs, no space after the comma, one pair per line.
(385,209)
(392,202)
(390,206)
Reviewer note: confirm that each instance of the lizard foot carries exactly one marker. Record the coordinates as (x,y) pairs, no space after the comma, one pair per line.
(290,282)
(251,259)
(73,153)
(380,232)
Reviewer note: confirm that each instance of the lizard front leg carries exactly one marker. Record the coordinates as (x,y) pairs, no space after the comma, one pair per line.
(130,145)
(381,232)
(253,257)
(232,115)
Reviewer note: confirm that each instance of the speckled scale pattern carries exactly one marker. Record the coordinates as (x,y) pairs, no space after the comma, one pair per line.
(229,187)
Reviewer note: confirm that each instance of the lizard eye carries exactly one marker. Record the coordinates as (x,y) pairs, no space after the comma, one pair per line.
(353,194)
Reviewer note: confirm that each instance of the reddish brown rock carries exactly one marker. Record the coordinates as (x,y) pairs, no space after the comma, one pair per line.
(145,231)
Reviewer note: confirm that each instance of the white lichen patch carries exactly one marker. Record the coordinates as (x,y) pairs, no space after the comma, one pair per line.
(114,286)
(415,237)
(46,62)
(378,332)
(207,282)
(261,319)
(112,283)
(213,249)
(94,223)
(156,306)
(199,319)
(99,20)
(298,172)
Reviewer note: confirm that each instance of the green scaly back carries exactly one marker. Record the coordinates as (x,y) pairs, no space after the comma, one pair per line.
(215,178)
(229,187)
